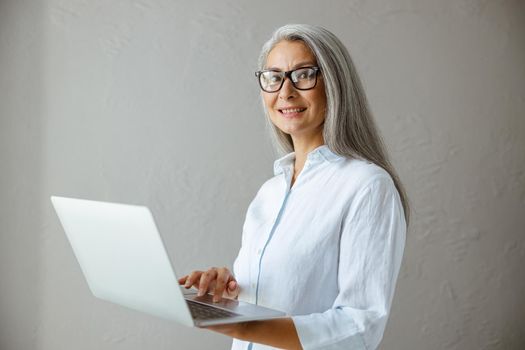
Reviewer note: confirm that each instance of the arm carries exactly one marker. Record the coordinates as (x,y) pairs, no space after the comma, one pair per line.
(370,251)
(279,333)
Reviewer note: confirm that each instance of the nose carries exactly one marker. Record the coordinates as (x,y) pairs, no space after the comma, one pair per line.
(287,91)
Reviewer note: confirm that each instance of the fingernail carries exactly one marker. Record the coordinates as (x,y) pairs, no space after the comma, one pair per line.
(201,293)
(215,299)
(187,284)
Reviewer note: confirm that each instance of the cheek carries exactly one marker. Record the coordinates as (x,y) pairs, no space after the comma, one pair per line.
(323,106)
(318,101)
(320,97)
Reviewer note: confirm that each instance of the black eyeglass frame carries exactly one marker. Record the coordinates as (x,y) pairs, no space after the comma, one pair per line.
(287,74)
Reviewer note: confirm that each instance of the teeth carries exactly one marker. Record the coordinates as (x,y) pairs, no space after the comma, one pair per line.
(292,110)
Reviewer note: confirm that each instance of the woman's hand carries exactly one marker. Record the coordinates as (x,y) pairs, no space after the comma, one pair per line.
(218,281)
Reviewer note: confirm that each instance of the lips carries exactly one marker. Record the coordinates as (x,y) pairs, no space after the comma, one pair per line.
(291,111)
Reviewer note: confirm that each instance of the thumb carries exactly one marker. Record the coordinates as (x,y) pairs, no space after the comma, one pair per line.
(233,288)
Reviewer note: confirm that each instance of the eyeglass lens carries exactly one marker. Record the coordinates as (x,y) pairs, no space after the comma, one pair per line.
(302,79)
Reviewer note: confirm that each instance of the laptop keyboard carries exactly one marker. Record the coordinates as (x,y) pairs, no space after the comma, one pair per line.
(205,312)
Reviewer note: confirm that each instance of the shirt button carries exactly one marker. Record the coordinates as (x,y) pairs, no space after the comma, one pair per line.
(253,285)
(259,251)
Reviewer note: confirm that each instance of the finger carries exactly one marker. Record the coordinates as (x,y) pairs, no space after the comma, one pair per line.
(193,279)
(182,280)
(223,275)
(233,289)
(205,281)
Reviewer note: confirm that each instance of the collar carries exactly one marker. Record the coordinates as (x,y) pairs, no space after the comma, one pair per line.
(318,155)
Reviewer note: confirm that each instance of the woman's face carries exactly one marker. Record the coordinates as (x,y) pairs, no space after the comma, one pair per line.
(299,113)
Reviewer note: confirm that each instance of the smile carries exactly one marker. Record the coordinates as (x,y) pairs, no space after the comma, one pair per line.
(292,110)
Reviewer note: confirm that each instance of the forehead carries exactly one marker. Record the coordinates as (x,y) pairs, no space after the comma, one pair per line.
(290,54)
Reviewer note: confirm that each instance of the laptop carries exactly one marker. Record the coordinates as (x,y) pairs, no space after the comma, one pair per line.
(124,261)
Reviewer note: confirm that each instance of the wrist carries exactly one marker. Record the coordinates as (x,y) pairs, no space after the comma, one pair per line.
(242,331)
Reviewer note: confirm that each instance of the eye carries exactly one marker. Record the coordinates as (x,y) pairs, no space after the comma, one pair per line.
(272,78)
(303,74)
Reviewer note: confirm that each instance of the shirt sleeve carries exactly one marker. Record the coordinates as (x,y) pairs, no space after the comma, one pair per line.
(371,249)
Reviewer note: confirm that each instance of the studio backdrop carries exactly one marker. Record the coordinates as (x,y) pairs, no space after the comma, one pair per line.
(156,103)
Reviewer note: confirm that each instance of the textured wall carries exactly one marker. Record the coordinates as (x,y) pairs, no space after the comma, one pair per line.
(154,102)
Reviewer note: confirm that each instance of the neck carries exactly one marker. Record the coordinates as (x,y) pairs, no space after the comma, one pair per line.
(302,147)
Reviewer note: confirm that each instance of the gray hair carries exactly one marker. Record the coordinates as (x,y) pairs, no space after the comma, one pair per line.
(349,128)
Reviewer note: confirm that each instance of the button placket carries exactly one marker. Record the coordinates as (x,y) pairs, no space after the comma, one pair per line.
(260,251)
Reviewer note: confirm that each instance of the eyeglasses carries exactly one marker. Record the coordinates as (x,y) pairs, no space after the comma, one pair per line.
(304,78)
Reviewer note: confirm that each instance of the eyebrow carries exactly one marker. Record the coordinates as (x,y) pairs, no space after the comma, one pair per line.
(295,66)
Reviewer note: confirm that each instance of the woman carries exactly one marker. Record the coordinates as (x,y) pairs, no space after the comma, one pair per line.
(323,239)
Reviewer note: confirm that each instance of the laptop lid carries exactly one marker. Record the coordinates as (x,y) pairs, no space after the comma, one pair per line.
(122,256)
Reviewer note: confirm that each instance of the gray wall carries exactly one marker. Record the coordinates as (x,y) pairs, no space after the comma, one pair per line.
(154,102)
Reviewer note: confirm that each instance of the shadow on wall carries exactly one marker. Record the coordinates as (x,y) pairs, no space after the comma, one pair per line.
(21,109)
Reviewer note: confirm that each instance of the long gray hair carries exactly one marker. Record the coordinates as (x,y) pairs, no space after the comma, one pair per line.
(349,128)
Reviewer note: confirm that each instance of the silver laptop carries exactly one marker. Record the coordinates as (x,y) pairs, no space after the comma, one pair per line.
(124,261)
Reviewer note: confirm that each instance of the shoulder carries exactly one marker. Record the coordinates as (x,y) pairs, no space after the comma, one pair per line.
(370,190)
(374,195)
(362,175)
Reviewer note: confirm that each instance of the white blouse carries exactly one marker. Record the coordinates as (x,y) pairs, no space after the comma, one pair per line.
(326,251)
